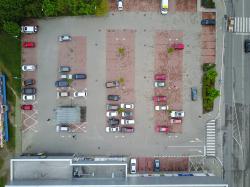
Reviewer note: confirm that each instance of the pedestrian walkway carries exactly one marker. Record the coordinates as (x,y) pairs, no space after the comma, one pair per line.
(210,138)
(241,25)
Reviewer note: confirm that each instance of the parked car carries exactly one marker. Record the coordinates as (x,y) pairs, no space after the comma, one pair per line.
(64,37)
(194,95)
(111,114)
(112,107)
(127,114)
(120,5)
(112,84)
(177,114)
(28,91)
(127,106)
(28,44)
(113,121)
(80,93)
(175,121)
(62,83)
(133,165)
(160,77)
(159,98)
(178,46)
(63,94)
(66,76)
(162,128)
(62,128)
(160,84)
(161,107)
(27,107)
(29,29)
(29,97)
(127,129)
(127,122)
(112,129)
(208,22)
(156,165)
(247,46)
(63,69)
(29,82)
(29,67)
(113,97)
(79,76)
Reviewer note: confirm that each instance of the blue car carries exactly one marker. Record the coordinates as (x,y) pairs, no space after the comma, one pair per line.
(194,95)
(79,76)
(208,22)
(61,83)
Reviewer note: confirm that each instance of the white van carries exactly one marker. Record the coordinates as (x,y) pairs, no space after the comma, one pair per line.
(164,6)
(62,128)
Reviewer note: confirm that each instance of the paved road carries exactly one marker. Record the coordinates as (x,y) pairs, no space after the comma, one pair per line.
(237,100)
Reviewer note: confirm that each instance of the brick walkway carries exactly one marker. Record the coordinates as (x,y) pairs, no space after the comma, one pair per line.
(171,65)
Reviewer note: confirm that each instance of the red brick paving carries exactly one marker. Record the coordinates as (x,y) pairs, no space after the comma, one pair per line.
(145,164)
(171,65)
(118,66)
(208,40)
(73,54)
(186,5)
(137,5)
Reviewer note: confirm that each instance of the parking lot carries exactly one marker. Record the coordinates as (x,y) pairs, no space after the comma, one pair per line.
(92,50)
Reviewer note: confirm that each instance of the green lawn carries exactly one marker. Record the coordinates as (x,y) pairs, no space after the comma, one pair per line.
(10,63)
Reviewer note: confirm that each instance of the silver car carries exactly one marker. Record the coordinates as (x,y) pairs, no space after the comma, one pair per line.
(64,37)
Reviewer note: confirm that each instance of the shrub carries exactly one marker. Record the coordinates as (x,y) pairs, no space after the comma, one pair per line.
(122,81)
(170,50)
(102,8)
(208,3)
(12,28)
(121,51)
(207,67)
(211,74)
(49,8)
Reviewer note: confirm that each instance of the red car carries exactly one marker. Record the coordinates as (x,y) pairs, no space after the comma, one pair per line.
(160,77)
(27,107)
(28,44)
(178,46)
(162,128)
(159,98)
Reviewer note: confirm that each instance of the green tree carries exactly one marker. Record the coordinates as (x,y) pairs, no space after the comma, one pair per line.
(11,28)
(49,8)
(11,10)
(211,74)
(213,93)
(33,8)
(102,8)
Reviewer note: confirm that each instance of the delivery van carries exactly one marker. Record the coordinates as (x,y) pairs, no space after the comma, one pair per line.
(164,7)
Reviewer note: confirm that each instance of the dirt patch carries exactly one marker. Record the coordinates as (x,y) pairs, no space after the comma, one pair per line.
(137,5)
(186,6)
(208,40)
(169,64)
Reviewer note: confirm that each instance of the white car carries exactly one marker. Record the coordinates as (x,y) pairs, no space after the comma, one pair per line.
(66,76)
(64,37)
(127,122)
(29,67)
(29,97)
(160,84)
(161,107)
(120,5)
(112,129)
(112,114)
(80,93)
(177,114)
(127,106)
(132,165)
(29,29)
(62,128)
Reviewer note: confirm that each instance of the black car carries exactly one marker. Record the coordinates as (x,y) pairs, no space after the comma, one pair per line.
(79,76)
(113,122)
(29,91)
(62,83)
(114,97)
(127,114)
(156,165)
(29,82)
(208,22)
(247,46)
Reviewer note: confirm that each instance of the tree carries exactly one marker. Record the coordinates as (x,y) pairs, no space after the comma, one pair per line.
(211,74)
(49,8)
(213,93)
(11,28)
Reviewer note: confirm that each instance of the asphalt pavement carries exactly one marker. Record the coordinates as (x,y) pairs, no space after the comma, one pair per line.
(237,100)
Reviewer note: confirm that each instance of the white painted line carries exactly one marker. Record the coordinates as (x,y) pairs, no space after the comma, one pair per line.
(235,24)
(243,24)
(248,24)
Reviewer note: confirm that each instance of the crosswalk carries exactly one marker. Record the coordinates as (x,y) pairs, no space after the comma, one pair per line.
(210,138)
(241,24)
